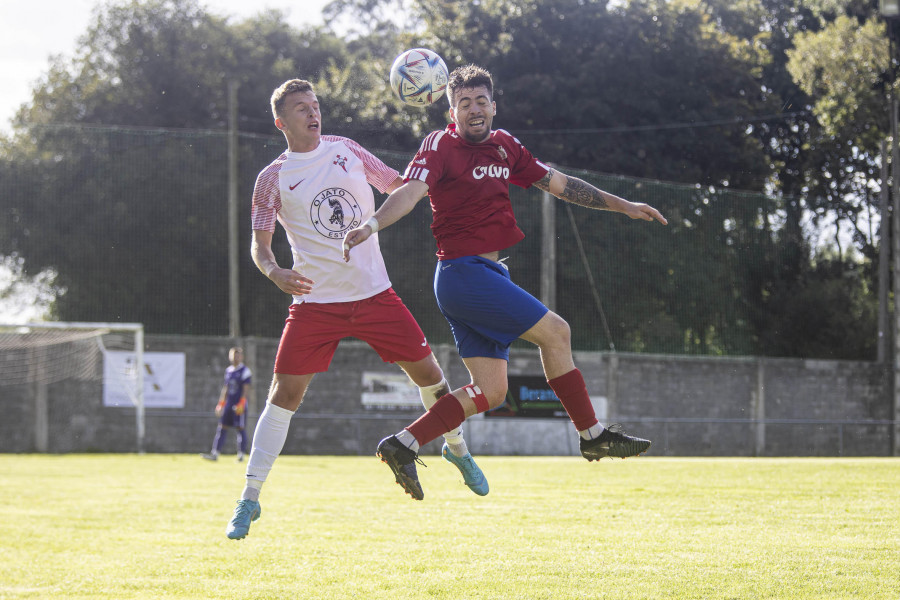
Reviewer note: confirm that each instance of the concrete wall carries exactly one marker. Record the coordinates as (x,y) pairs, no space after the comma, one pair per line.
(688,406)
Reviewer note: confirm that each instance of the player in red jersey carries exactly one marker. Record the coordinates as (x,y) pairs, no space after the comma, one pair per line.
(319,189)
(466,170)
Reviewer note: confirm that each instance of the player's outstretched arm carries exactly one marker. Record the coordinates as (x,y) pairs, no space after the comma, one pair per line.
(577,191)
(287,280)
(401,201)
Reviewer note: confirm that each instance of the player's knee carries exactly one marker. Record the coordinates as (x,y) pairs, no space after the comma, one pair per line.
(562,329)
(558,333)
(487,397)
(286,398)
(287,391)
(431,372)
(496,397)
(424,373)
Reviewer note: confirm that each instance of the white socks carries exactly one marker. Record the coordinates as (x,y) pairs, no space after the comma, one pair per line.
(408,440)
(268,440)
(591,432)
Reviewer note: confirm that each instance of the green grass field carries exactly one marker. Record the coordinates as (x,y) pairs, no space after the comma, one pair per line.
(129,526)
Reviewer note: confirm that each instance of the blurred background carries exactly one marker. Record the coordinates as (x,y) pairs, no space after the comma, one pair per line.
(757,127)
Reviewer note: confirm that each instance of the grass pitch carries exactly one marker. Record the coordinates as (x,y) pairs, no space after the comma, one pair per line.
(127,526)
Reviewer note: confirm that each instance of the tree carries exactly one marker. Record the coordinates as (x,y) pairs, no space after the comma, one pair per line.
(25,298)
(127,140)
(158,196)
(841,67)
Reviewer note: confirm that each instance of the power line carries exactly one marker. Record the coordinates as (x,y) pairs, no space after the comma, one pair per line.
(622,129)
(695,124)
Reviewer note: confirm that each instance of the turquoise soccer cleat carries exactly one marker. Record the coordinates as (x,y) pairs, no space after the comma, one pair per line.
(246,512)
(471,472)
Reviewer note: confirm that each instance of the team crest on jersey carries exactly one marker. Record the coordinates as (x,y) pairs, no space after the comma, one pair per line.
(334,212)
(501,152)
(341,161)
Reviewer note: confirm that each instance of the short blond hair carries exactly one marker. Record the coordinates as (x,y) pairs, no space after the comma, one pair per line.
(288,87)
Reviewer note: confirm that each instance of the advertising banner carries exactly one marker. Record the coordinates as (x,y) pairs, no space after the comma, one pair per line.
(164,374)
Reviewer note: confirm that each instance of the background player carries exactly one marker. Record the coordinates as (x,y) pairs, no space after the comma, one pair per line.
(319,189)
(466,170)
(232,406)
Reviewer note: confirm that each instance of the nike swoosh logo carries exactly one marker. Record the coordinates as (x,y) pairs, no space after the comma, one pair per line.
(296,184)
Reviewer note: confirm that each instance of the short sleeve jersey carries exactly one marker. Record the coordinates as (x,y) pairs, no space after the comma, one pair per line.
(235,380)
(317,197)
(468,185)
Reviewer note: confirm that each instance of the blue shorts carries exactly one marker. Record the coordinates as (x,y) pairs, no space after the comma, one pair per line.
(485,309)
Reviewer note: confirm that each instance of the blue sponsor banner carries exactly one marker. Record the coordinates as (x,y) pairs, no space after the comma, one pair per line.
(529,396)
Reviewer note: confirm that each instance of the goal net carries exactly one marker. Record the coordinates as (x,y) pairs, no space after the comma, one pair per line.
(56,379)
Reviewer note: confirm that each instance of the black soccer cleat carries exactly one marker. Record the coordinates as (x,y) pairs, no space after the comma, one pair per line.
(613,442)
(402,462)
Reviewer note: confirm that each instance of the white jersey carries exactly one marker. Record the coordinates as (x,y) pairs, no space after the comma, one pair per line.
(317,197)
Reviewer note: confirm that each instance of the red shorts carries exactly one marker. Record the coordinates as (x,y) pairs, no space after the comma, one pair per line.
(312,332)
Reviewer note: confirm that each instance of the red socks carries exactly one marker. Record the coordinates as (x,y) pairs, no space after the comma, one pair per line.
(446,415)
(572,392)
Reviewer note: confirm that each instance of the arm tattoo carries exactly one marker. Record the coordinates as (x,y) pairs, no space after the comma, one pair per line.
(576,191)
(582,193)
(544,183)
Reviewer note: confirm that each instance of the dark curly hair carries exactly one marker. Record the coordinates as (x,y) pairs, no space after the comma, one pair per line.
(469,76)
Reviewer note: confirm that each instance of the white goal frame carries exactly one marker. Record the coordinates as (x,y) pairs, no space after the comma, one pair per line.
(137,398)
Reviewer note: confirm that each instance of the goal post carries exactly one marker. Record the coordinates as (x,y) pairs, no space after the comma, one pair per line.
(40,361)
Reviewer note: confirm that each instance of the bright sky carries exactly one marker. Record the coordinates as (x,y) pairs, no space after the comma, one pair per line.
(31,31)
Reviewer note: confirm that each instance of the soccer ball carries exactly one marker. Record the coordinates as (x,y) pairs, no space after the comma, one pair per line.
(419,77)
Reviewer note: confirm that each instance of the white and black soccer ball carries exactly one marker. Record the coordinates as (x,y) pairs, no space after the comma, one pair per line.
(419,77)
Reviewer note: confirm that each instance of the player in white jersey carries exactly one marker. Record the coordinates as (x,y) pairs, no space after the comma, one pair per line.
(319,189)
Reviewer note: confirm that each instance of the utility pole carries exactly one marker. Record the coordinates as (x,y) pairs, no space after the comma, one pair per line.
(548,250)
(895,247)
(890,10)
(234,288)
(884,264)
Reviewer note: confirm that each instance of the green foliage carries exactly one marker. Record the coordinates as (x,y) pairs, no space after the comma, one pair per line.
(133,220)
(118,240)
(841,66)
(829,313)
(27,298)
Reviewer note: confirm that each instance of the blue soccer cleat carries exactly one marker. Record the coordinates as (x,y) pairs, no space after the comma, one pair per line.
(471,473)
(246,511)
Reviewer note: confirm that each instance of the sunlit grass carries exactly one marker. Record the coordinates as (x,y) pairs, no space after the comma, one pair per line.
(127,526)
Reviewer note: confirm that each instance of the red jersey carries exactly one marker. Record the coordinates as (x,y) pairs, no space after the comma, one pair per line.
(468,185)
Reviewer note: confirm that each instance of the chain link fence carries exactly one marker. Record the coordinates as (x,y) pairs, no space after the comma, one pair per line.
(134,221)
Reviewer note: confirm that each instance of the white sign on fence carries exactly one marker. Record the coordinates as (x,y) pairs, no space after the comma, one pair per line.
(163,379)
(389,391)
